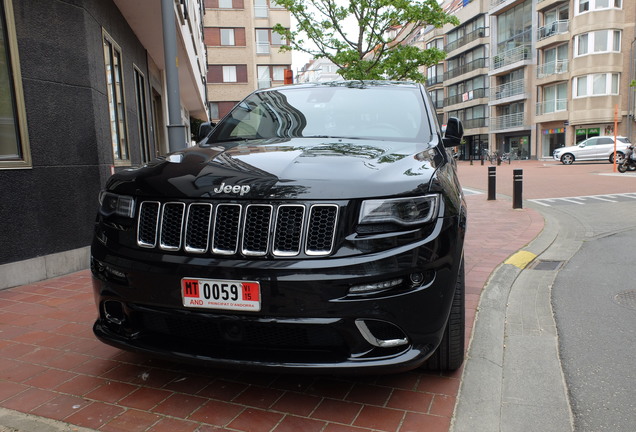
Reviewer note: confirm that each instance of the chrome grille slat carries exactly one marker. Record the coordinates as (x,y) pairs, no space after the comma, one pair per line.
(252,229)
(226,229)
(171,226)
(148,223)
(288,230)
(256,227)
(197,236)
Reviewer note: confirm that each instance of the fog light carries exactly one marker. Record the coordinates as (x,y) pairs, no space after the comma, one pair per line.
(372,287)
(114,312)
(417,278)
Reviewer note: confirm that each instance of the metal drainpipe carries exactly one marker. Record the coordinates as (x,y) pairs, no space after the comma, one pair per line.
(176,128)
(630,94)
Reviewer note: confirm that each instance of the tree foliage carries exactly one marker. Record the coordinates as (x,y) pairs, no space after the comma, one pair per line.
(355,35)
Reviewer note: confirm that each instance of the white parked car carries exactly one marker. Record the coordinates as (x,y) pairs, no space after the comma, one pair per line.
(595,148)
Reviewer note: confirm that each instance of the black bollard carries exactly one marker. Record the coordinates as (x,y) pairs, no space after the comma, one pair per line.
(517,189)
(492,182)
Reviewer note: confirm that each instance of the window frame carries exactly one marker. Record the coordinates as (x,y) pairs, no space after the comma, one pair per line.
(23,159)
(120,150)
(592,7)
(612,82)
(590,42)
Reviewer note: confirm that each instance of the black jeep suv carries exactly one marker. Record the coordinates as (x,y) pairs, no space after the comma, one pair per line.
(317,227)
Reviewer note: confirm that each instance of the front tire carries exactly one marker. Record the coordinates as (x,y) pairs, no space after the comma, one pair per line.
(449,356)
(622,167)
(619,157)
(567,159)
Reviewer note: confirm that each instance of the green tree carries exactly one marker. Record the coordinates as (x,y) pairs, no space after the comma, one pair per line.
(355,35)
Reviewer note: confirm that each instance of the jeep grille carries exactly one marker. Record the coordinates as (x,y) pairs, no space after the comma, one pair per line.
(252,230)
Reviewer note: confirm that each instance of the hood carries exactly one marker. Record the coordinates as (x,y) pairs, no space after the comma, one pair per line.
(301,168)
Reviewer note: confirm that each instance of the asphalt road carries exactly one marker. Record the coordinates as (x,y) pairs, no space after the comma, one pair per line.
(594,302)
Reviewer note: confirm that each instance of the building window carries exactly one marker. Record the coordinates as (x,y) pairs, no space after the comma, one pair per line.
(116,102)
(227,36)
(142,114)
(596,85)
(436,43)
(215,36)
(583,6)
(514,28)
(218,110)
(14,141)
(225,4)
(598,42)
(227,74)
(261,10)
(262,41)
(268,74)
(555,98)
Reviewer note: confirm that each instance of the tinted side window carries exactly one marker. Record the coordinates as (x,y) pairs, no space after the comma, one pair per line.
(605,141)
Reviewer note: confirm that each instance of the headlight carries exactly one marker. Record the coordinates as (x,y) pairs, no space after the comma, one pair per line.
(120,205)
(402,211)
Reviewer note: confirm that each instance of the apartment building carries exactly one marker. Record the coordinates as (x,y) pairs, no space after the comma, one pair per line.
(83,92)
(242,49)
(318,70)
(528,76)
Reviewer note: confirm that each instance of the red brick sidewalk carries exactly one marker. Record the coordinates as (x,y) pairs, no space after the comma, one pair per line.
(52,366)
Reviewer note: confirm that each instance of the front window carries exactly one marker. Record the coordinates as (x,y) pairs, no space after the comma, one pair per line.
(116,102)
(14,145)
(555,98)
(339,111)
(514,28)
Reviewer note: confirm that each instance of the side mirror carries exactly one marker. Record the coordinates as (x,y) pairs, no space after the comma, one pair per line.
(454,132)
(204,130)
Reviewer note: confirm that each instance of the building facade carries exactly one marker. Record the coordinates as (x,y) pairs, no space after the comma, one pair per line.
(528,76)
(83,93)
(243,51)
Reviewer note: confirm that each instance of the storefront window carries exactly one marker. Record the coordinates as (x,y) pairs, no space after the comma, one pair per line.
(14,146)
(552,139)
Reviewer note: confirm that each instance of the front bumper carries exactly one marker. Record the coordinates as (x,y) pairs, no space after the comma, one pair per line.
(309,318)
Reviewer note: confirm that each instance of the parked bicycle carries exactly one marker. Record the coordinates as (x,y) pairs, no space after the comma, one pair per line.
(492,157)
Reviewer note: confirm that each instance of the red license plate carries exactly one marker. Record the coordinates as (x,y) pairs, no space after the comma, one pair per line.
(221,294)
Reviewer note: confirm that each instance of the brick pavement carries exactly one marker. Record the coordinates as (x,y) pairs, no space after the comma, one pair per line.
(52,366)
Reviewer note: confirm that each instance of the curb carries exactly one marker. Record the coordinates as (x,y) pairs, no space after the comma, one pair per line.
(514,378)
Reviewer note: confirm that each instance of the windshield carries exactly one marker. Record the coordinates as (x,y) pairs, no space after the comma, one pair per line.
(379,112)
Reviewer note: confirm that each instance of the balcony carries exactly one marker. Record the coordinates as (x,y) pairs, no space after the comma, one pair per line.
(468,67)
(474,35)
(465,97)
(551,106)
(515,55)
(475,123)
(509,121)
(552,68)
(504,91)
(552,29)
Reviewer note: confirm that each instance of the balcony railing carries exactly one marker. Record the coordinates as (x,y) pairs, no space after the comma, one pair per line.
(465,97)
(551,106)
(552,68)
(507,90)
(495,3)
(262,47)
(473,35)
(554,28)
(505,58)
(509,121)
(475,123)
(468,67)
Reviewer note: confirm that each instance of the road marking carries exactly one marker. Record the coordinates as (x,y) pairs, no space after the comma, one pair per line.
(548,202)
(521,259)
